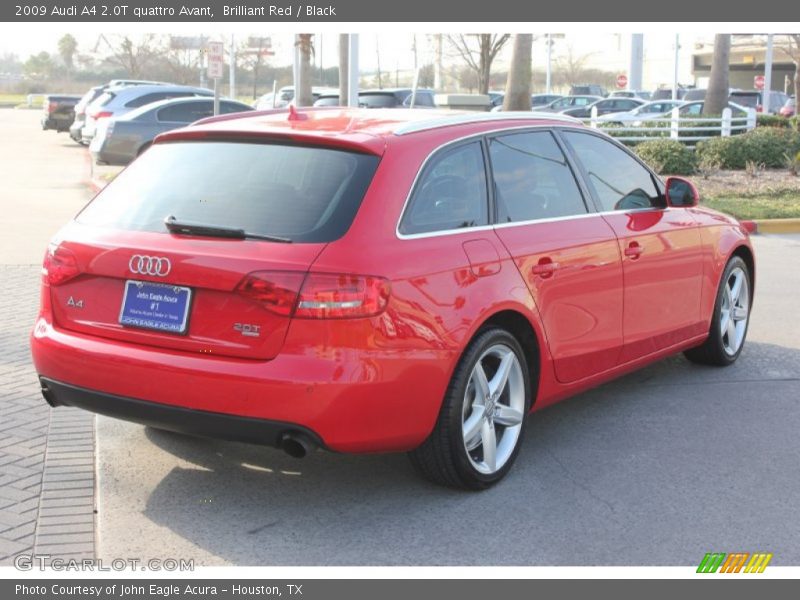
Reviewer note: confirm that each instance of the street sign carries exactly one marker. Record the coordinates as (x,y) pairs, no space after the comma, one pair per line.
(622,81)
(759,81)
(216,59)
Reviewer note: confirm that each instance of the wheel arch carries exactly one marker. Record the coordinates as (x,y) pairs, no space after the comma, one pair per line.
(746,254)
(520,326)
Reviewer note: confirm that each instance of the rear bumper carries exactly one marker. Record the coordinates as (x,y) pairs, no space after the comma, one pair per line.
(351,400)
(173,418)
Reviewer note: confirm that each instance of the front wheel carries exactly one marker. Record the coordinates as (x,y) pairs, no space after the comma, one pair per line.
(731,318)
(479,431)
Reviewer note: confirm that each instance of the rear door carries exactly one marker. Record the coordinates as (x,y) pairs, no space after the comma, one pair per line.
(660,247)
(567,254)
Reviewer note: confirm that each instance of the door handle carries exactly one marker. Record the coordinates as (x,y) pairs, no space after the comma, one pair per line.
(634,250)
(545,267)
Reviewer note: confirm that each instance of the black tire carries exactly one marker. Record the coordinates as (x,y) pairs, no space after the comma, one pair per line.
(443,457)
(712,351)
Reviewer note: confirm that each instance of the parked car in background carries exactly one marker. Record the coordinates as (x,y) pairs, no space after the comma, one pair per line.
(641,94)
(694,95)
(568,102)
(604,106)
(285,96)
(396,98)
(496,99)
(649,110)
(539,100)
(116,101)
(695,109)
(789,109)
(331,99)
(352,284)
(119,140)
(76,129)
(588,89)
(400,98)
(58,111)
(666,93)
(755,99)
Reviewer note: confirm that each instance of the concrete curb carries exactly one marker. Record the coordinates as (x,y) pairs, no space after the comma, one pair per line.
(777,225)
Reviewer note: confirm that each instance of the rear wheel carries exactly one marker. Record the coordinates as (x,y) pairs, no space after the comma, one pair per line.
(479,431)
(731,318)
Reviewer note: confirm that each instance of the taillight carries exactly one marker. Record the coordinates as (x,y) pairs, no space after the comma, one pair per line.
(103,114)
(52,106)
(60,265)
(340,296)
(276,291)
(317,295)
(759,108)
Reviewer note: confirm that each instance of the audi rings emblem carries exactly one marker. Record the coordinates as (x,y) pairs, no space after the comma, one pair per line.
(155,266)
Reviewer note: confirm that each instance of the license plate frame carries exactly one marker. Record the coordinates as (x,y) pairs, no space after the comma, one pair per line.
(146,312)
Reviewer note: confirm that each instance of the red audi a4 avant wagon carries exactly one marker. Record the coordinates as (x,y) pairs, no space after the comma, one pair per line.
(373,280)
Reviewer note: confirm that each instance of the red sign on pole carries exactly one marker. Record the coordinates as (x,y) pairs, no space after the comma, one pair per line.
(759,81)
(622,81)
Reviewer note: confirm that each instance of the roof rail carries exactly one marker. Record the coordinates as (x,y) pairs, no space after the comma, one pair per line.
(462,118)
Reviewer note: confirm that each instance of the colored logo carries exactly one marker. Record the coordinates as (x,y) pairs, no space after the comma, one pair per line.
(736,562)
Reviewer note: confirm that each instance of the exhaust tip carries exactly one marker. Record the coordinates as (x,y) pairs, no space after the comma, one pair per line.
(296,445)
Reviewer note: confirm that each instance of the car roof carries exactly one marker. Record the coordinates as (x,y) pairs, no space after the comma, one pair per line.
(360,129)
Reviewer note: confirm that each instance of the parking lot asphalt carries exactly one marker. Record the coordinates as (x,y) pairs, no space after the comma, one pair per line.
(47,483)
(656,468)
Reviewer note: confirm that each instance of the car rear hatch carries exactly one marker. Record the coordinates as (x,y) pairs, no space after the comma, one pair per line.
(224,277)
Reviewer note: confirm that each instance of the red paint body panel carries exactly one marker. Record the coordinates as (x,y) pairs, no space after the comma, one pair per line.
(377,383)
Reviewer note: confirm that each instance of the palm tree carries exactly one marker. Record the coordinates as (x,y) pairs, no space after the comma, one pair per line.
(518,84)
(718,85)
(67,46)
(305,45)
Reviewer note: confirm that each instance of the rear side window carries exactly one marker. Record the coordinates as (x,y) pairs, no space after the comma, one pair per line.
(303,193)
(532,178)
(186,112)
(451,194)
(620,182)
(155,97)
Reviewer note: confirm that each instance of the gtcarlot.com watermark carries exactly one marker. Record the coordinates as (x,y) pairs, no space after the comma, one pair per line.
(41,562)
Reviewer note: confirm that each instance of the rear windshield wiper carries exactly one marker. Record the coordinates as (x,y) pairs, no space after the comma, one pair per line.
(202,229)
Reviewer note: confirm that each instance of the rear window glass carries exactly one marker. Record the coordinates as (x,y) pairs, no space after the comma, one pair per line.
(303,193)
(746,99)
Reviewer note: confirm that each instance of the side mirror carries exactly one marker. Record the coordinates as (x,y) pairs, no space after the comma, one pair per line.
(681,192)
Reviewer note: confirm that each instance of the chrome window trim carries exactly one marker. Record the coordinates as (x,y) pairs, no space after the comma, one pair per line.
(464,139)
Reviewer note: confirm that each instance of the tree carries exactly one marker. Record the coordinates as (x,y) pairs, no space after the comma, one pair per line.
(479,50)
(518,84)
(302,91)
(67,46)
(39,66)
(718,81)
(572,67)
(132,56)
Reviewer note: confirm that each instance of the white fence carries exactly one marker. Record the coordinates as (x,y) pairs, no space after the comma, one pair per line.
(689,130)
